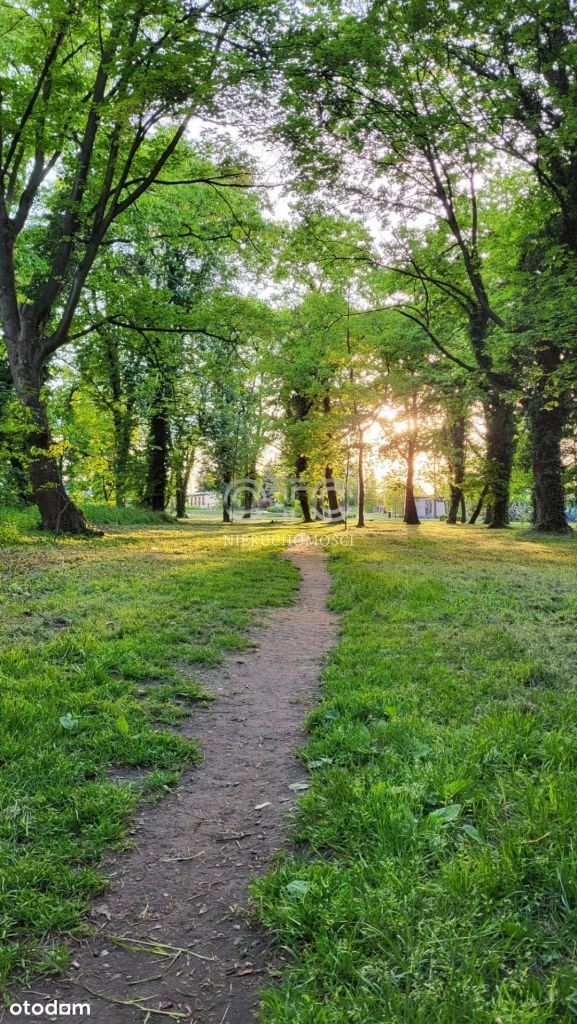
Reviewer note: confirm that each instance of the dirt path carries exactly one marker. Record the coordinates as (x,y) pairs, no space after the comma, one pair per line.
(185,882)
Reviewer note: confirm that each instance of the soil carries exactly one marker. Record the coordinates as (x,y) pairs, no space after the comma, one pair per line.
(183,888)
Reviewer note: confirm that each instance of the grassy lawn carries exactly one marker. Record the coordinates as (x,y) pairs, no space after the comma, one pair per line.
(443,809)
(88,631)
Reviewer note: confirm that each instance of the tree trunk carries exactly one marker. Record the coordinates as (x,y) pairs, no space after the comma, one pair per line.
(58,513)
(463,509)
(21,482)
(19,474)
(227,505)
(301,490)
(411,517)
(158,450)
(361,513)
(180,499)
(182,480)
(247,502)
(336,513)
(488,518)
(500,421)
(477,510)
(122,421)
(500,451)
(546,426)
(456,435)
(335,510)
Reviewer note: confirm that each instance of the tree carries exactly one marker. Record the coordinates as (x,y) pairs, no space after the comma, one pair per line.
(88,99)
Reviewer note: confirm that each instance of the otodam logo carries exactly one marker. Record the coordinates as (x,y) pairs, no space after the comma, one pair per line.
(53,1008)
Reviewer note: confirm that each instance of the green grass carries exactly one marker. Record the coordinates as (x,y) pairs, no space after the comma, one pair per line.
(19,525)
(99,640)
(442,888)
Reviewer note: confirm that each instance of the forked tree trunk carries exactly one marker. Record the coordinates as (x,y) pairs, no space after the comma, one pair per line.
(58,513)
(456,435)
(361,514)
(301,489)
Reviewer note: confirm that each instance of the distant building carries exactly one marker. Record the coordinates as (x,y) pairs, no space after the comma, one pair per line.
(430,508)
(203,499)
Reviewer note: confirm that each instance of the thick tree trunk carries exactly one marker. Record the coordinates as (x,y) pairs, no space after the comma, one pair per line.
(58,513)
(158,453)
(478,507)
(546,426)
(361,477)
(500,451)
(411,517)
(546,431)
(301,490)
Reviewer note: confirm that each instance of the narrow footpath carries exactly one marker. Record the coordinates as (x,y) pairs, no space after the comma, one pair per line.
(178,900)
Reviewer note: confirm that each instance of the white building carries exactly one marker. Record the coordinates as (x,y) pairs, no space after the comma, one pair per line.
(430,508)
(203,499)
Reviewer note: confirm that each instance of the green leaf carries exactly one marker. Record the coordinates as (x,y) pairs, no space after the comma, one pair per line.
(122,726)
(68,722)
(473,833)
(298,887)
(452,788)
(443,815)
